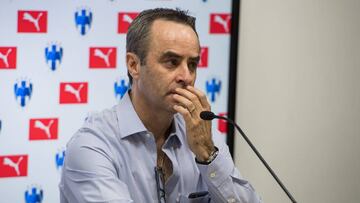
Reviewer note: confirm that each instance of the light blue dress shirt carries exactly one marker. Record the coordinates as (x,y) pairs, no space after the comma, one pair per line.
(112,158)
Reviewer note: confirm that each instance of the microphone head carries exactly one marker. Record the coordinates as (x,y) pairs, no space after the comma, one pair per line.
(207,115)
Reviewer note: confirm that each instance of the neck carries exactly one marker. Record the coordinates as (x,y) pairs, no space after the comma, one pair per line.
(157,121)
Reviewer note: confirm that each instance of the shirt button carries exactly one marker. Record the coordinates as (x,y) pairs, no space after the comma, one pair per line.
(231,200)
(213,174)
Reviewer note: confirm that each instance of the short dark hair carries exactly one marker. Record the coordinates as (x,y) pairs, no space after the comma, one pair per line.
(137,38)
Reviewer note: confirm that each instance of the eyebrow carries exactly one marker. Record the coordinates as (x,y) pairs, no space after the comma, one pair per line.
(170,54)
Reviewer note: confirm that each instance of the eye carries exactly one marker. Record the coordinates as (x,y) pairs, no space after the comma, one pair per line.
(192,66)
(172,63)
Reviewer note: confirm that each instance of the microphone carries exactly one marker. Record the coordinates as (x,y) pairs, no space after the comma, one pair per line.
(208,116)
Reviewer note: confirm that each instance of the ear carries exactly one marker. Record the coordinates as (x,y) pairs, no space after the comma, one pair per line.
(133,64)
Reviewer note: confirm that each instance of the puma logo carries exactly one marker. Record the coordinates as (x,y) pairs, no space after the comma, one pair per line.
(202,51)
(103,56)
(223,22)
(9,162)
(75,92)
(43,127)
(4,57)
(127,18)
(27,16)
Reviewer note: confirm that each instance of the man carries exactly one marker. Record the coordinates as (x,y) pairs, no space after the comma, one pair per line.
(153,146)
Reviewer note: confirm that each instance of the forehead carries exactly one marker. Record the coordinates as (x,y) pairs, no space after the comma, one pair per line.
(168,35)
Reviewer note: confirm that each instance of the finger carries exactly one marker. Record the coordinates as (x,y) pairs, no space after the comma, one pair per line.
(183,101)
(194,100)
(190,96)
(202,96)
(184,112)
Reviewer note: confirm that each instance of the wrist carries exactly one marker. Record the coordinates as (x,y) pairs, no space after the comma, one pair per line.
(212,155)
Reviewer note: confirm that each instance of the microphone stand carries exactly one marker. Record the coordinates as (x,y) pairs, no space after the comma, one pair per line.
(211,115)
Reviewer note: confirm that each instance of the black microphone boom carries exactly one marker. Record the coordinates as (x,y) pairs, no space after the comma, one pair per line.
(208,115)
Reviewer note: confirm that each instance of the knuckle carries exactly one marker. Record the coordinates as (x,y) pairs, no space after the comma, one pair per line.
(196,123)
(193,97)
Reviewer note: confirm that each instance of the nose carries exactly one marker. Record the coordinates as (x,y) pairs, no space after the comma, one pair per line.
(184,75)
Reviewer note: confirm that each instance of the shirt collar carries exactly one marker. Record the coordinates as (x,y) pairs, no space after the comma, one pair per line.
(174,136)
(128,120)
(130,123)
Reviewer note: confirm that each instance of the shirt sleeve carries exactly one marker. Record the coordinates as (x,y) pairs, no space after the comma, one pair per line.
(224,181)
(89,173)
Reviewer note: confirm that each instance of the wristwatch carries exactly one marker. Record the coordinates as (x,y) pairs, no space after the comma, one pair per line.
(211,158)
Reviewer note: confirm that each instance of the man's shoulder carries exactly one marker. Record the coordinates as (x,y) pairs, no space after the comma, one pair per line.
(98,125)
(102,118)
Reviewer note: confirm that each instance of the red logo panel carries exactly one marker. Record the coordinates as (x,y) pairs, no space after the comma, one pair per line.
(124,21)
(204,55)
(8,57)
(73,93)
(222,124)
(43,129)
(102,57)
(32,21)
(13,166)
(220,23)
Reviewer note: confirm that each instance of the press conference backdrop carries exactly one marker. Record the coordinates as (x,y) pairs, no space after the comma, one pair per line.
(60,60)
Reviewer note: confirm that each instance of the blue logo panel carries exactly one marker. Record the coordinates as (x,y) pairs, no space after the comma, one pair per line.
(53,55)
(213,87)
(23,91)
(120,88)
(59,159)
(83,20)
(34,195)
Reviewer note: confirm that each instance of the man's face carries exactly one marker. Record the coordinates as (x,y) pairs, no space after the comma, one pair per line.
(171,62)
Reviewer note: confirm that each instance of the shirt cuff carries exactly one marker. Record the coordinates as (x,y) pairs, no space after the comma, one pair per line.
(219,169)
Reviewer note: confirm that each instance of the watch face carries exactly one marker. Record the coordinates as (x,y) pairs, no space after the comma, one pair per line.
(211,157)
